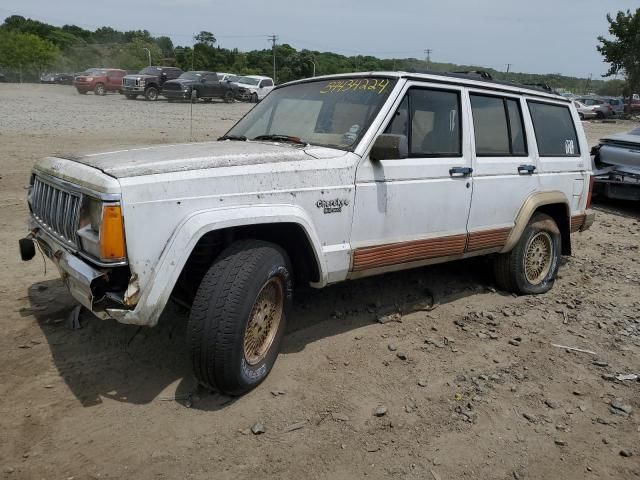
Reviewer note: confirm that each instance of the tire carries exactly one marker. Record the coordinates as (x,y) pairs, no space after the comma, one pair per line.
(224,358)
(82,92)
(99,89)
(540,244)
(581,115)
(228,96)
(207,100)
(599,115)
(130,96)
(254,98)
(194,98)
(151,94)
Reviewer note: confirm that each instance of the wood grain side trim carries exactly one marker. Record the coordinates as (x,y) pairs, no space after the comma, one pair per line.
(486,239)
(576,222)
(404,252)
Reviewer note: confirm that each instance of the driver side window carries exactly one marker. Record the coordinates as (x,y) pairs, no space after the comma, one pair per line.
(431,121)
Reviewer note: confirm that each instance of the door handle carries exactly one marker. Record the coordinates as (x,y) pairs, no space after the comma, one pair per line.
(460,171)
(526,169)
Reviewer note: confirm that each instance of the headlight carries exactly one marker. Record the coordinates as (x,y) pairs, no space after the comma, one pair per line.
(141,83)
(102,230)
(89,79)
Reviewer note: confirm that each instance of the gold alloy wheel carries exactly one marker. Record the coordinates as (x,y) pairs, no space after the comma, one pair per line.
(538,257)
(264,321)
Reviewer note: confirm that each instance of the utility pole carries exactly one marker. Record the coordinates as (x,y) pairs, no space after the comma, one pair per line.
(427,52)
(148,53)
(272,39)
(508,67)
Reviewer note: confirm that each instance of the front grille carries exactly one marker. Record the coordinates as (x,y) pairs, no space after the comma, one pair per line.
(129,82)
(58,211)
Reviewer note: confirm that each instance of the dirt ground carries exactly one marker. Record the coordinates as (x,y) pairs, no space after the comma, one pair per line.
(473,387)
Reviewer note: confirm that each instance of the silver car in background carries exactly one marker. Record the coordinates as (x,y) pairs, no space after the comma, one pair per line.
(603,109)
(585,111)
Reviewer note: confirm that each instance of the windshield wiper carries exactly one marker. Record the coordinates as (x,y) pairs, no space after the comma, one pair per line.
(240,138)
(281,138)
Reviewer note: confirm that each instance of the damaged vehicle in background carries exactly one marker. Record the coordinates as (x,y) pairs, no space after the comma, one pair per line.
(57,78)
(99,81)
(617,166)
(584,111)
(253,88)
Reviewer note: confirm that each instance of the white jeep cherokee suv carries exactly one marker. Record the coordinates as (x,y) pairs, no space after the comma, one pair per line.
(328,179)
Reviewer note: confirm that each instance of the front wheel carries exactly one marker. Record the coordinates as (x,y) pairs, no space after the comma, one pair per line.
(99,89)
(254,98)
(228,96)
(151,94)
(531,267)
(238,316)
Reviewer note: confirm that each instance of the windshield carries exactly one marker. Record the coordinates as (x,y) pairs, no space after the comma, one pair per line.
(232,78)
(248,80)
(150,71)
(332,113)
(191,76)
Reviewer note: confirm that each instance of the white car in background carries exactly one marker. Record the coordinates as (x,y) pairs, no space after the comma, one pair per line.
(254,87)
(586,112)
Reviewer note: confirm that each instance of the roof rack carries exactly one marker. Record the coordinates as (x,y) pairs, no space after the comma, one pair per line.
(475,73)
(483,76)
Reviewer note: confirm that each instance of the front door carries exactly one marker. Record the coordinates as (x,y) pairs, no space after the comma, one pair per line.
(505,170)
(414,211)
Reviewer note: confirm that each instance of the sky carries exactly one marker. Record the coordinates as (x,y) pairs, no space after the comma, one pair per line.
(534,36)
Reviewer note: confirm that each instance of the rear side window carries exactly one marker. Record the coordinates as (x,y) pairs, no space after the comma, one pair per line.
(555,132)
(431,121)
(498,126)
(267,83)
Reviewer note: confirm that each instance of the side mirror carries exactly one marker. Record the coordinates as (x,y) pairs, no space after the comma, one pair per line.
(389,147)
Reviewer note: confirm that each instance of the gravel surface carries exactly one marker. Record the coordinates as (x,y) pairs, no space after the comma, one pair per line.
(370,381)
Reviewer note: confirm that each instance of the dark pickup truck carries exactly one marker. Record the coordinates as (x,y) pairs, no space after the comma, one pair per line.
(205,85)
(148,82)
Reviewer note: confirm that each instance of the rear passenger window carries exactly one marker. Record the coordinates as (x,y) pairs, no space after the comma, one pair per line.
(431,121)
(555,132)
(497,122)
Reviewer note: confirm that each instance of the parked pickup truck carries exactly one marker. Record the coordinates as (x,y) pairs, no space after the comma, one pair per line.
(99,81)
(327,179)
(148,82)
(199,85)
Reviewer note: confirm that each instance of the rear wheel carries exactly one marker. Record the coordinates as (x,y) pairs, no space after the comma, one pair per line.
(151,94)
(600,115)
(238,316)
(228,96)
(99,89)
(581,115)
(531,267)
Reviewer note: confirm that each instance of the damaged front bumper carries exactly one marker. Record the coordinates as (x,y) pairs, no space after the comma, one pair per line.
(93,287)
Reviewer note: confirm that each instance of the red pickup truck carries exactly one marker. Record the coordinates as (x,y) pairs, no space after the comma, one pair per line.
(99,80)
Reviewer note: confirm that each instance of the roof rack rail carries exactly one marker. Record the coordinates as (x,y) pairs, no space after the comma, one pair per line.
(475,73)
(543,86)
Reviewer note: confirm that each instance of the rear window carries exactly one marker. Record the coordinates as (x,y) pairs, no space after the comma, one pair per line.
(555,131)
(498,127)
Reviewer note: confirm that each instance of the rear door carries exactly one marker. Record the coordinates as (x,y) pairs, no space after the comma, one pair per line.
(412,211)
(505,167)
(212,85)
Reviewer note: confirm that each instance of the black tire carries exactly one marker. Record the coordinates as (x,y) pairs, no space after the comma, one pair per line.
(207,100)
(99,89)
(600,115)
(151,94)
(581,115)
(82,92)
(223,309)
(130,96)
(511,271)
(254,98)
(228,96)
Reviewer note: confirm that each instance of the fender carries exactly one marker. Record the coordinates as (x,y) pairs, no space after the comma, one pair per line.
(533,202)
(156,292)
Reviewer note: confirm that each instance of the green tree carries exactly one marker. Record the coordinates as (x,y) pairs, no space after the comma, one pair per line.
(25,51)
(622,50)
(205,38)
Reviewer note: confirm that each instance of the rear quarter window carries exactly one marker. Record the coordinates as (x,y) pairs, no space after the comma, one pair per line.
(555,131)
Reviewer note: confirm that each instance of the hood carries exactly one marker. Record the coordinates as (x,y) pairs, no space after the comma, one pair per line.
(196,156)
(137,75)
(631,139)
(182,81)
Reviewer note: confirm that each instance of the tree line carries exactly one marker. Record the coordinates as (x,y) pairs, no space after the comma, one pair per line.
(29,47)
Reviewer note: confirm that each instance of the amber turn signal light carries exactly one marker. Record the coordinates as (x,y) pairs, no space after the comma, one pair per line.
(112,245)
